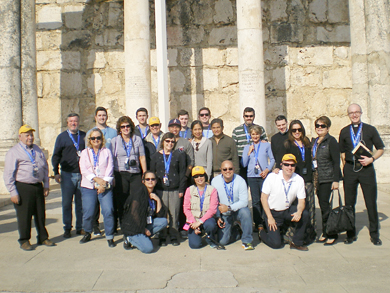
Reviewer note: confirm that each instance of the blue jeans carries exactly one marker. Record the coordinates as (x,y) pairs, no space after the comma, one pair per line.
(70,185)
(244,216)
(143,242)
(90,199)
(255,184)
(195,240)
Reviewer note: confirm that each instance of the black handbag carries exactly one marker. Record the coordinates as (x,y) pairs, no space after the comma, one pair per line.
(341,219)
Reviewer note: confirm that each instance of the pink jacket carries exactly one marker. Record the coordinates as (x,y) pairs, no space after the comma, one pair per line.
(212,204)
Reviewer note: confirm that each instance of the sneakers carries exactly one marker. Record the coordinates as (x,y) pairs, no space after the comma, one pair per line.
(247,246)
(86,238)
(213,245)
(26,246)
(67,233)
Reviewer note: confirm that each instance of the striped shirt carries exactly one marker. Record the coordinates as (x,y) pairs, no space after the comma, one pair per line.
(240,138)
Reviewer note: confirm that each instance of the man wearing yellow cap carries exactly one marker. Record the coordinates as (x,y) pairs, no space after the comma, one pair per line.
(152,139)
(278,196)
(26,178)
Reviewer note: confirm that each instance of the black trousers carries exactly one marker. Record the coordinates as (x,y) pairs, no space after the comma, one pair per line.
(31,203)
(367,179)
(323,193)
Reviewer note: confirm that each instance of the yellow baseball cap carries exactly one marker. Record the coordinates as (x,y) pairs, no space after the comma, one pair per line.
(154,120)
(198,170)
(25,128)
(289,157)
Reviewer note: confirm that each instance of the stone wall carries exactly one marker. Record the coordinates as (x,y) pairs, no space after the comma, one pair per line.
(80,60)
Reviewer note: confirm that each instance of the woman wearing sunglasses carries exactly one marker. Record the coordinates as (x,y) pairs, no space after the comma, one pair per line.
(170,168)
(326,165)
(299,145)
(96,167)
(144,215)
(255,156)
(203,148)
(200,206)
(129,161)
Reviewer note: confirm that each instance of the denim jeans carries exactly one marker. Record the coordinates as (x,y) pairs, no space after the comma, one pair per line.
(195,240)
(255,184)
(90,199)
(143,242)
(70,185)
(244,216)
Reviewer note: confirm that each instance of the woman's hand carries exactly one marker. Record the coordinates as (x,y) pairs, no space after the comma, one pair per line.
(276,170)
(264,173)
(101,189)
(251,148)
(154,196)
(99,181)
(147,232)
(335,185)
(195,225)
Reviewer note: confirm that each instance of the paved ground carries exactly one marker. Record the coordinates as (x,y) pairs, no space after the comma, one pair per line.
(93,266)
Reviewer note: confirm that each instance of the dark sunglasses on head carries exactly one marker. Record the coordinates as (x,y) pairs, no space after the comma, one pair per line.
(321,126)
(150,179)
(199,175)
(248,116)
(125,126)
(95,138)
(202,115)
(287,164)
(225,169)
(296,129)
(169,141)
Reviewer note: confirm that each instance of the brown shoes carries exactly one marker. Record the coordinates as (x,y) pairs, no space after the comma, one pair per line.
(301,248)
(47,242)
(26,246)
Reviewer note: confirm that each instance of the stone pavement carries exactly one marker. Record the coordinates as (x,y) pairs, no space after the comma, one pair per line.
(94,266)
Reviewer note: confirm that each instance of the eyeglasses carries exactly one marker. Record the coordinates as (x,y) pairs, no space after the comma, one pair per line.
(288,165)
(197,146)
(354,113)
(248,116)
(203,115)
(321,126)
(169,141)
(225,169)
(296,129)
(125,126)
(199,175)
(95,138)
(150,179)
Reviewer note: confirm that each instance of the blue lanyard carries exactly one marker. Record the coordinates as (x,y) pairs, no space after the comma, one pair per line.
(302,150)
(95,157)
(156,142)
(167,163)
(152,204)
(248,137)
(127,146)
(207,133)
(256,152)
(286,191)
(76,145)
(146,131)
(202,197)
(230,192)
(356,139)
(315,148)
(31,156)
(183,135)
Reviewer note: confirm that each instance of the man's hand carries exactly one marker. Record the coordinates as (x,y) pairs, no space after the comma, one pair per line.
(296,217)
(272,224)
(276,170)
(101,189)
(147,232)
(365,161)
(46,192)
(99,181)
(181,194)
(15,199)
(221,223)
(57,178)
(223,208)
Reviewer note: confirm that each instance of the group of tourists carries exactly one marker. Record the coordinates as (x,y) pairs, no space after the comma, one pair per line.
(192,182)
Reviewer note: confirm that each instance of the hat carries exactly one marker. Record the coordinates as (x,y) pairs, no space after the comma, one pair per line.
(289,157)
(174,122)
(198,170)
(25,128)
(154,120)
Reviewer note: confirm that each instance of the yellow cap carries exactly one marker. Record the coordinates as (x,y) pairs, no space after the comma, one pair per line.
(25,128)
(198,170)
(289,157)
(154,120)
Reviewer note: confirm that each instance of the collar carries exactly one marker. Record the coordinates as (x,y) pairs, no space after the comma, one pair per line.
(293,177)
(223,178)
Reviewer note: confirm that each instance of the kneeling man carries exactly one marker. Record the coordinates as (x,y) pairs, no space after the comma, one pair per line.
(278,195)
(233,198)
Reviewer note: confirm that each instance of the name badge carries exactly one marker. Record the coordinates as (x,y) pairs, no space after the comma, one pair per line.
(315,164)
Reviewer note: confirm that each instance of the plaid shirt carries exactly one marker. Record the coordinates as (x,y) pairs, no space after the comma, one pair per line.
(240,138)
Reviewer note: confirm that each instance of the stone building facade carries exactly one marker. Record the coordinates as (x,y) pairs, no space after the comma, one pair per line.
(318,57)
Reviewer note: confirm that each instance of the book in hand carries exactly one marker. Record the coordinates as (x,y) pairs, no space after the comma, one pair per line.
(361,150)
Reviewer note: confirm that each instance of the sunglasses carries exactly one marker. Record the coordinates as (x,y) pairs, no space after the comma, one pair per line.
(225,169)
(154,125)
(125,126)
(150,179)
(199,175)
(197,146)
(248,116)
(95,138)
(169,141)
(203,115)
(296,130)
(289,165)
(321,126)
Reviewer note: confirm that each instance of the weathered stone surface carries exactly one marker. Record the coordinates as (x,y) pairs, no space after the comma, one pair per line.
(172,57)
(115,59)
(110,37)
(281,77)
(71,84)
(213,56)
(49,17)
(308,76)
(71,60)
(49,60)
(336,34)
(96,59)
(210,79)
(223,36)
(190,57)
(277,55)
(232,56)
(203,13)
(49,84)
(76,39)
(48,40)
(286,32)
(223,11)
(73,15)
(342,52)
(115,14)
(94,83)
(228,77)
(177,81)
(317,11)
(50,112)
(174,36)
(113,82)
(338,11)
(278,10)
(338,78)
(314,55)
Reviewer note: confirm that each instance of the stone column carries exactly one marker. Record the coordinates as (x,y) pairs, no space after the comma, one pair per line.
(28,65)
(137,56)
(250,58)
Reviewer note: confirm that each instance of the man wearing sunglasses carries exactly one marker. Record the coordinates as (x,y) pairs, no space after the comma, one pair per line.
(278,197)
(152,140)
(204,117)
(361,170)
(242,136)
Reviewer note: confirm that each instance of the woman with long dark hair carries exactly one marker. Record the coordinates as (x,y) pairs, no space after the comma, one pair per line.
(203,148)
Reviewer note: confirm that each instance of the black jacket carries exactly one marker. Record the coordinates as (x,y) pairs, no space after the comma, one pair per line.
(328,160)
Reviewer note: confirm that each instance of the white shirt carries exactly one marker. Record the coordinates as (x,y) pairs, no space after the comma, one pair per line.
(276,187)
